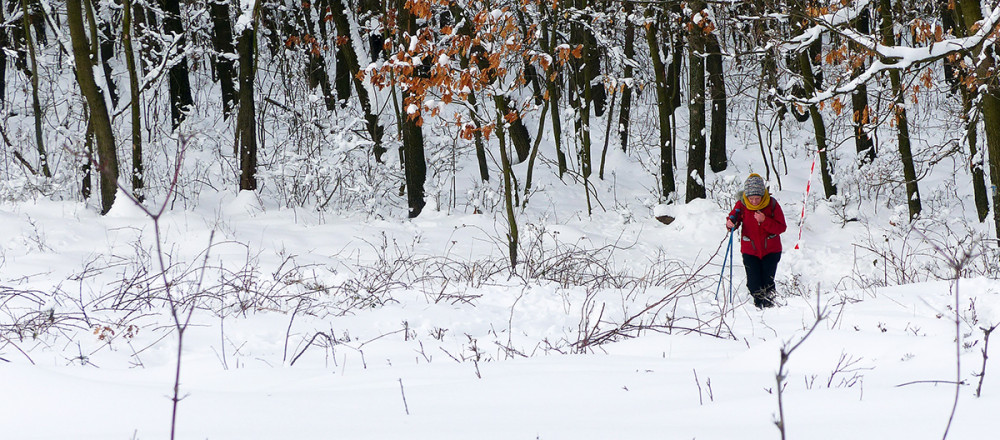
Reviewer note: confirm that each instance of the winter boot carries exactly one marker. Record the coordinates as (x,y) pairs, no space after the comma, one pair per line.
(763,299)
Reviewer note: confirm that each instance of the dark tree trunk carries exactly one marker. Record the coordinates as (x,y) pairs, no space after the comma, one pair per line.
(17,38)
(519,135)
(592,71)
(819,127)
(414,164)
(718,160)
(316,74)
(625,115)
(87,183)
(861,115)
(991,115)
(36,106)
(986,78)
(222,40)
(4,46)
(138,181)
(665,107)
(975,157)
(246,123)
(863,143)
(144,23)
(552,87)
(902,122)
(696,108)
(107,156)
(351,60)
(808,89)
(107,49)
(342,77)
(180,84)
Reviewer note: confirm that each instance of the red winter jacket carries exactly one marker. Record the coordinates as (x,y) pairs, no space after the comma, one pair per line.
(759,239)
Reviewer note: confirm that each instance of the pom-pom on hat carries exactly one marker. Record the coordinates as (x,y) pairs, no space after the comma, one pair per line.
(754,186)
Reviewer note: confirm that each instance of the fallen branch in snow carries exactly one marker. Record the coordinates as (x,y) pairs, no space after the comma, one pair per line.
(403,393)
(986,346)
(936,382)
(634,322)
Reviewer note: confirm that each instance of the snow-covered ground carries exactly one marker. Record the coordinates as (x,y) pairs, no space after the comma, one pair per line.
(359,328)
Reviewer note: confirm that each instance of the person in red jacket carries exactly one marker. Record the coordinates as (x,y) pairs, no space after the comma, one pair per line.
(762,222)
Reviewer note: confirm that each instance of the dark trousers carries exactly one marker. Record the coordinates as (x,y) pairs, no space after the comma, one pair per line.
(760,272)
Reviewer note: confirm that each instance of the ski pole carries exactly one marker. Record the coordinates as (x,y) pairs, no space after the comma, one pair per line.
(722,273)
(730,267)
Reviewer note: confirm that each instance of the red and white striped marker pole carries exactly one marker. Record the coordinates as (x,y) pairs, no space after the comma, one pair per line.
(802,219)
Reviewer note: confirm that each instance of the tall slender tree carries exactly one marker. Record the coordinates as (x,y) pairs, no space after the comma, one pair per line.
(414,164)
(351,57)
(222,42)
(246,120)
(717,157)
(698,26)
(861,113)
(107,155)
(106,46)
(985,78)
(958,76)
(809,86)
(899,109)
(138,180)
(4,46)
(36,105)
(625,114)
(664,106)
(178,78)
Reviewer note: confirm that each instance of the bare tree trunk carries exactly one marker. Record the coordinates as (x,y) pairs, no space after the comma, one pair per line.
(133,81)
(665,107)
(809,82)
(4,46)
(580,102)
(718,161)
(246,123)
(975,157)
(991,115)
(316,74)
(375,130)
(107,156)
(508,194)
(553,88)
(86,185)
(625,115)
(902,122)
(36,105)
(861,116)
(144,23)
(414,163)
(17,40)
(519,135)
(967,15)
(696,107)
(819,126)
(222,40)
(180,84)
(955,74)
(106,45)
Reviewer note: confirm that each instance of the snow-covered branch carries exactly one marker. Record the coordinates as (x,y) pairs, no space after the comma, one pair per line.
(888,57)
